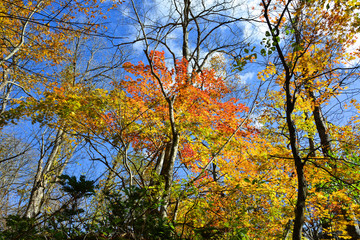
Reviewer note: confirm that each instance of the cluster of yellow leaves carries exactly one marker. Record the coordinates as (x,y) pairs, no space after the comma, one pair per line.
(39,33)
(315,56)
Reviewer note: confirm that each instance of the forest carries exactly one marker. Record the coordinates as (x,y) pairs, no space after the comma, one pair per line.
(179,119)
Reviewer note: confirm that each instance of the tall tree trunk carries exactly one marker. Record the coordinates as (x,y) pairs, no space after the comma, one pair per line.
(167,171)
(38,190)
(299,165)
(171,149)
(290,99)
(185,24)
(5,87)
(320,124)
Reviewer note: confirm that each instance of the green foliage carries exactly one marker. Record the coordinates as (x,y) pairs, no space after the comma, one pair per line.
(62,224)
(20,228)
(77,189)
(134,213)
(68,221)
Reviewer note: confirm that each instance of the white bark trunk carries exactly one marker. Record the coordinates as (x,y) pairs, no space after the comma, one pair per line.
(38,191)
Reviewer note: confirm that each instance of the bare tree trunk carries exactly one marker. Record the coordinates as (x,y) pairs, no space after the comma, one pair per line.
(167,170)
(185,24)
(299,165)
(6,88)
(38,191)
(160,161)
(320,125)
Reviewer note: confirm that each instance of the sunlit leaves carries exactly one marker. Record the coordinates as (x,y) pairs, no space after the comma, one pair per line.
(314,51)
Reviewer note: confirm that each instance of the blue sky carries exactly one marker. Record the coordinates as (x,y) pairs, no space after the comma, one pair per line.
(123,26)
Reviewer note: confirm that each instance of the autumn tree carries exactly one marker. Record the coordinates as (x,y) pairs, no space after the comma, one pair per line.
(40,35)
(194,119)
(174,143)
(34,33)
(199,24)
(310,73)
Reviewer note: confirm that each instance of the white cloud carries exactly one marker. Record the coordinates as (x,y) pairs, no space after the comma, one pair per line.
(244,78)
(161,12)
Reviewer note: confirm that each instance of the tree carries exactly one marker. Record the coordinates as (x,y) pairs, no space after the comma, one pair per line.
(310,75)
(34,33)
(14,174)
(40,34)
(199,25)
(178,145)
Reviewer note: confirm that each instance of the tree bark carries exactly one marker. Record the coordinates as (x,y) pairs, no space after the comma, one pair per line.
(320,124)
(38,190)
(167,171)
(185,24)
(299,165)
(290,99)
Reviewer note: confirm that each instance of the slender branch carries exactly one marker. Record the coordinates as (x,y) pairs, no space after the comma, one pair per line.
(23,31)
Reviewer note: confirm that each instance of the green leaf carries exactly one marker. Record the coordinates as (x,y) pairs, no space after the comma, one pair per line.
(263,52)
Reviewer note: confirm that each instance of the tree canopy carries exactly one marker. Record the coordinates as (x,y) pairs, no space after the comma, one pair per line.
(182,119)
